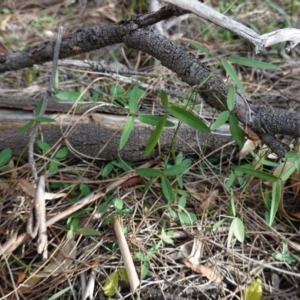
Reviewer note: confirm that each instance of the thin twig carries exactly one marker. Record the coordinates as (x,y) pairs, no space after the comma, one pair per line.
(49,94)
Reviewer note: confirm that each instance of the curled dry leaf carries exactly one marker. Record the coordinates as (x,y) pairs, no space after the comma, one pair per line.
(248,146)
(211,274)
(59,263)
(27,187)
(62,261)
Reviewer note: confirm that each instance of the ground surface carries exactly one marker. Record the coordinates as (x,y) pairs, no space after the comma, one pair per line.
(174,258)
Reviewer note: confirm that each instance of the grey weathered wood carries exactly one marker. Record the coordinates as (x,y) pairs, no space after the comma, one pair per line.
(97,136)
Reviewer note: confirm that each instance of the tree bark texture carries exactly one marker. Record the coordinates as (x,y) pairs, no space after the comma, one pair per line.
(97,136)
(133,32)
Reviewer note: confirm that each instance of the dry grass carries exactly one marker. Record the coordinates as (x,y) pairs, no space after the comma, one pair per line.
(168,277)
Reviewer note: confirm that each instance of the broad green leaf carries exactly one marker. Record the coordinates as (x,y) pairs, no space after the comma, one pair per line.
(254,290)
(59,294)
(111,285)
(74,223)
(153,140)
(141,256)
(148,172)
(164,99)
(44,120)
(230,181)
(68,96)
(118,203)
(201,48)
(176,170)
(168,240)
(108,168)
(53,166)
(256,173)
(26,127)
(103,207)
(253,63)
(276,198)
(5,156)
(43,145)
(238,229)
(62,153)
(154,120)
(231,72)
(236,130)
(123,275)
(128,127)
(87,231)
(231,97)
(84,189)
(133,101)
(167,190)
(182,202)
(144,269)
(187,218)
(221,119)
(189,118)
(289,258)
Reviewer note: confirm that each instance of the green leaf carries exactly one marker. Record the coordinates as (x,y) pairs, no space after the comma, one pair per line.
(231,97)
(253,63)
(26,127)
(289,258)
(231,72)
(59,294)
(111,285)
(148,172)
(74,223)
(201,48)
(45,147)
(5,156)
(53,166)
(187,218)
(256,173)
(254,290)
(167,190)
(44,120)
(276,197)
(189,118)
(152,142)
(133,101)
(128,127)
(38,107)
(87,231)
(176,170)
(231,208)
(108,168)
(238,229)
(182,202)
(221,119)
(144,269)
(141,256)
(84,189)
(62,153)
(236,130)
(68,96)
(164,99)
(118,203)
(154,120)
(123,275)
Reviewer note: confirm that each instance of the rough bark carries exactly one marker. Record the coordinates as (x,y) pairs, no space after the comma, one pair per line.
(264,121)
(97,136)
